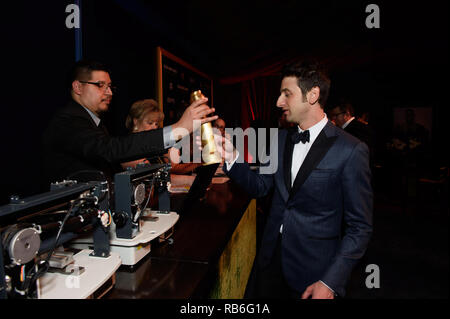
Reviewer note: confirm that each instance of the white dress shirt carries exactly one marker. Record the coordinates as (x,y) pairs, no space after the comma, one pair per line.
(301,150)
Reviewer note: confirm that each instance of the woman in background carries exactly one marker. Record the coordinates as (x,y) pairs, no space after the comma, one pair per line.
(145,115)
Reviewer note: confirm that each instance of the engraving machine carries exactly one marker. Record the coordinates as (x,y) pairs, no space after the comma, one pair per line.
(33,230)
(135,224)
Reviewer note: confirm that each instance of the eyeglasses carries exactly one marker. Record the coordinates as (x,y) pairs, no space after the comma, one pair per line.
(336,115)
(101,85)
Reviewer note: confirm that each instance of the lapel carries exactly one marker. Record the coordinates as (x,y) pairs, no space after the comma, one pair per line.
(287,158)
(77,110)
(322,144)
(102,127)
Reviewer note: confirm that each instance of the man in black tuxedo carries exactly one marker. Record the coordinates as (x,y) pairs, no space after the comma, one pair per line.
(322,181)
(77,142)
(343,115)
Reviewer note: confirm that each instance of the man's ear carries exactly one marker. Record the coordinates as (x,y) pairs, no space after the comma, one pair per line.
(313,95)
(76,87)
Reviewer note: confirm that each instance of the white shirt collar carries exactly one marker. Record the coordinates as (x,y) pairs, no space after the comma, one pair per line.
(94,117)
(348,122)
(315,130)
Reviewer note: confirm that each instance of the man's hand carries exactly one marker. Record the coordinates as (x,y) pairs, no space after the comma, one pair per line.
(198,110)
(223,146)
(318,291)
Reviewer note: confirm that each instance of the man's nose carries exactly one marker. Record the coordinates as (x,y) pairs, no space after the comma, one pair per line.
(280,101)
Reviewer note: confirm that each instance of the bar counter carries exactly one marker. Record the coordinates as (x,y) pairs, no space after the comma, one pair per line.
(213,248)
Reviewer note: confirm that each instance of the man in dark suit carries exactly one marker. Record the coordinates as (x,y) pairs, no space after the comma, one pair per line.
(343,115)
(322,181)
(77,142)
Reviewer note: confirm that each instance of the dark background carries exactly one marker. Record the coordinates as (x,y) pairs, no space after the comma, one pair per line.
(402,64)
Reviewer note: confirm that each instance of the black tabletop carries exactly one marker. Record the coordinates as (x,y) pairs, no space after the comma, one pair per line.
(185,268)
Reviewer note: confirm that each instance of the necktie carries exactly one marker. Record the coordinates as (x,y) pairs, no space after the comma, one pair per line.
(300,137)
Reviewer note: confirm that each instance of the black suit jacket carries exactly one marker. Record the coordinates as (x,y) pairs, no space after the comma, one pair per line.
(361,131)
(72,143)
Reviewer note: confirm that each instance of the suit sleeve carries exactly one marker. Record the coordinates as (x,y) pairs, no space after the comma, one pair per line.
(255,184)
(358,205)
(94,144)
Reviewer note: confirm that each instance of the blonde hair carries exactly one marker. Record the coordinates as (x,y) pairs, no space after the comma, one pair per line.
(140,109)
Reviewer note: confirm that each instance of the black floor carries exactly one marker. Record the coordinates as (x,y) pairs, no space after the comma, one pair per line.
(410,244)
(410,247)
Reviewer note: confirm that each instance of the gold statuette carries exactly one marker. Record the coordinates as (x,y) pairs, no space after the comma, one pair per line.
(209,154)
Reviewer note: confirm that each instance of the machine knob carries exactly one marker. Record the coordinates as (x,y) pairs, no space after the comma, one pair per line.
(24,245)
(120,219)
(139,194)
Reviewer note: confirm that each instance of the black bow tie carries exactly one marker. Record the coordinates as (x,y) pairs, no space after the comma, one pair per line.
(300,137)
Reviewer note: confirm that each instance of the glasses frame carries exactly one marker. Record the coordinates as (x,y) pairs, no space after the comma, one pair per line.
(101,85)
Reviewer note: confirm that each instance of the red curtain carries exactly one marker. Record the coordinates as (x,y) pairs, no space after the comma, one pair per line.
(260,88)
(260,81)
(259,92)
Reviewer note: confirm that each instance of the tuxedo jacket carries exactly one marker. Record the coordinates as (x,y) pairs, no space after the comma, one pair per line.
(332,189)
(72,143)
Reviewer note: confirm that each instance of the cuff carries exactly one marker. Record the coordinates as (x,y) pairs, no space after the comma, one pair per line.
(169,139)
(334,293)
(230,165)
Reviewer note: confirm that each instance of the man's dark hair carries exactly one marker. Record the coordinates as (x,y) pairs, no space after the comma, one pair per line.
(82,70)
(309,74)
